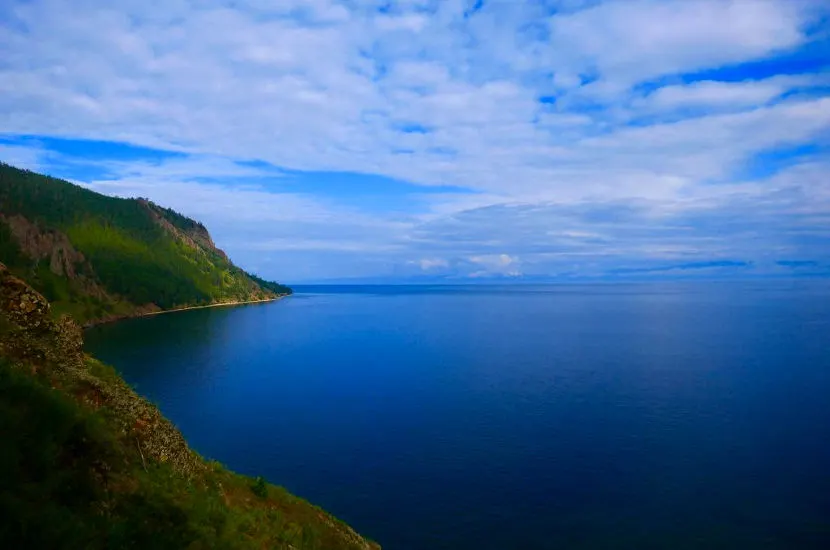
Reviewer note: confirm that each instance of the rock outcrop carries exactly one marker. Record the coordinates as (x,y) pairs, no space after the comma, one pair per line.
(196,236)
(55,249)
(53,246)
(32,338)
(29,333)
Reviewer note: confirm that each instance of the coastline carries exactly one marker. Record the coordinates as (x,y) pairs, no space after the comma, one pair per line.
(135,315)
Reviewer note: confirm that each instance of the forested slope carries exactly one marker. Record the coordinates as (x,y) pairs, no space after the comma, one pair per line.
(98,257)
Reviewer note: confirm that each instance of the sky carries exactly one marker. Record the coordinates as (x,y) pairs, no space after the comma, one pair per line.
(451,140)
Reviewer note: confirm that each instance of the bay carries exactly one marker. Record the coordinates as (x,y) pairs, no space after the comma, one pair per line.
(647,415)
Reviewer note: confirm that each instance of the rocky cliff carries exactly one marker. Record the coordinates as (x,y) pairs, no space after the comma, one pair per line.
(191,233)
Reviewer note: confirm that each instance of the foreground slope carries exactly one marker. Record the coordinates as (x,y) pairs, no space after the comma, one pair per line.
(98,257)
(87,463)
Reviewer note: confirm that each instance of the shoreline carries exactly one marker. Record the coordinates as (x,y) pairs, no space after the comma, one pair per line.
(97,322)
(220,304)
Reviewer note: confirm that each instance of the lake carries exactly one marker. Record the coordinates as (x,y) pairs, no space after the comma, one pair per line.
(630,416)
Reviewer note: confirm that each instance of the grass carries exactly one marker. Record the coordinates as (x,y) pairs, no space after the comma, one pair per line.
(70,478)
(87,463)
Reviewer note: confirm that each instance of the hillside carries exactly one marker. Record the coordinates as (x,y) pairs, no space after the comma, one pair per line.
(99,258)
(87,463)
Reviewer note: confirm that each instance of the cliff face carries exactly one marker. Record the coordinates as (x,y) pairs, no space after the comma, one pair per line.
(53,247)
(71,423)
(189,232)
(53,250)
(101,258)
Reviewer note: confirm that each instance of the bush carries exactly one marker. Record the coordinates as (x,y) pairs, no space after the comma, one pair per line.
(260,487)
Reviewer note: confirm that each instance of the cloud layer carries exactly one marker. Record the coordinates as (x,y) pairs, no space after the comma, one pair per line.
(345,139)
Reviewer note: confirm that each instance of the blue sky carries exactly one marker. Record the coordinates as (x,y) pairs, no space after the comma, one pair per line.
(452,139)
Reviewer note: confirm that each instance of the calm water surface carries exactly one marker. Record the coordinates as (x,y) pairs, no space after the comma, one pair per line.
(632,416)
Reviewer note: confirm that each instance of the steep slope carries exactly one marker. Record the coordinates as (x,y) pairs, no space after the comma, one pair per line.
(87,463)
(99,257)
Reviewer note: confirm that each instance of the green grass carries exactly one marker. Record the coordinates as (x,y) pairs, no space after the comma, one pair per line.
(71,478)
(48,486)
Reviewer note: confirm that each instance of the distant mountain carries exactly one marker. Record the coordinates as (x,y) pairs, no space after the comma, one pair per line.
(98,257)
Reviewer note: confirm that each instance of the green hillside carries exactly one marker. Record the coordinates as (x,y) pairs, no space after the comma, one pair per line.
(98,257)
(87,463)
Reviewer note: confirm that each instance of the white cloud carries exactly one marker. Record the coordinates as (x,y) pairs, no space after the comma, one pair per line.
(495,260)
(21,156)
(709,94)
(427,264)
(410,22)
(424,95)
(635,40)
(495,264)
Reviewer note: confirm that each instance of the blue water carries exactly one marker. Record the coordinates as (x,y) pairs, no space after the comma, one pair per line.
(632,416)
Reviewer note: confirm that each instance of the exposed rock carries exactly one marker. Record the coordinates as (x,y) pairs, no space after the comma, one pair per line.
(200,235)
(55,347)
(20,303)
(53,246)
(30,332)
(139,419)
(197,237)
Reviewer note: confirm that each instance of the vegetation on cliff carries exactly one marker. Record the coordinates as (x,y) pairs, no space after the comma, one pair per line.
(98,257)
(87,463)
